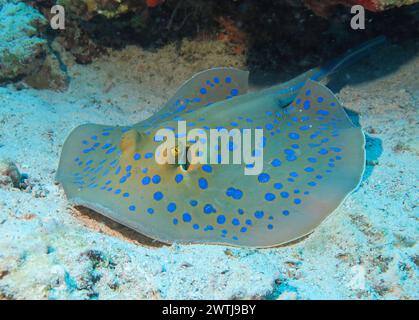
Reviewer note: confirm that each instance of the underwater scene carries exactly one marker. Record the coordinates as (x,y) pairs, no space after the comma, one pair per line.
(209,150)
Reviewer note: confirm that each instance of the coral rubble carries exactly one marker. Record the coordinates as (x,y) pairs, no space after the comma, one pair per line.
(9,174)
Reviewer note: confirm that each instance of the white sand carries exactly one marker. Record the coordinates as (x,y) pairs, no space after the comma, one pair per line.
(366,249)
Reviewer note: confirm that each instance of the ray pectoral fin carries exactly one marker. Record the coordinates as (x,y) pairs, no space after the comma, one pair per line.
(78,144)
(313,157)
(332,157)
(89,155)
(321,105)
(208,87)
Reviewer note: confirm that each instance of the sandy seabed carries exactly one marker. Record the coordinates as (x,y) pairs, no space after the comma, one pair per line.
(366,249)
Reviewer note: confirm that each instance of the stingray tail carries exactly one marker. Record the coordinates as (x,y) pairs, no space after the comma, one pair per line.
(350,57)
(286,92)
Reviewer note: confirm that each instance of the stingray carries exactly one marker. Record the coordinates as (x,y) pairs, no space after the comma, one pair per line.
(313,157)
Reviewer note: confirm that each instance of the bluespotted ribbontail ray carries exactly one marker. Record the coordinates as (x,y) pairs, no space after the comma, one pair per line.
(313,157)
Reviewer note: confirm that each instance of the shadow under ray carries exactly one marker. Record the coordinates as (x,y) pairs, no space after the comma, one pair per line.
(98,222)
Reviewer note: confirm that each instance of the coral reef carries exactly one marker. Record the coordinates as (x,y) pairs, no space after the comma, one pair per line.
(87,9)
(21,46)
(86,18)
(24,51)
(92,26)
(50,75)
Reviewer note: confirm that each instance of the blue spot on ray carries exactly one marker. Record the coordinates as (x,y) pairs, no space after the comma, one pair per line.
(235,221)
(171,207)
(186,217)
(158,196)
(221,219)
(203,183)
(208,208)
(207,168)
(193,203)
(236,194)
(263,178)
(179,178)
(276,162)
(269,196)
(259,214)
(156,179)
(294,135)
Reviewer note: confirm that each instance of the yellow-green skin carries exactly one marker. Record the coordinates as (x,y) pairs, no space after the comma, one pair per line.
(245,210)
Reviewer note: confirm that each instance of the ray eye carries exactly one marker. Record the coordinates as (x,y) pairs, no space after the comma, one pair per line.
(175,151)
(178,152)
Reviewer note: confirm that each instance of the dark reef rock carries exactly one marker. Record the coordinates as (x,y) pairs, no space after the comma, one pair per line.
(50,75)
(273,30)
(24,50)
(325,7)
(21,44)
(269,34)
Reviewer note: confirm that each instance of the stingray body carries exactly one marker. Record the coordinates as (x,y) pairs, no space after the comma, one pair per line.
(313,157)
